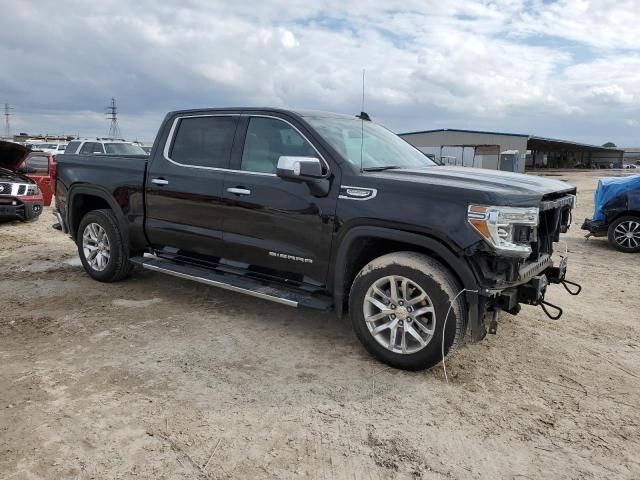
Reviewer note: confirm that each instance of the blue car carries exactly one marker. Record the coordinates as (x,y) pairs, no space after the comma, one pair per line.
(617,213)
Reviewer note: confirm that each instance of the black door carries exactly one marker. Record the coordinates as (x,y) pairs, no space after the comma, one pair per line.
(185,183)
(270,224)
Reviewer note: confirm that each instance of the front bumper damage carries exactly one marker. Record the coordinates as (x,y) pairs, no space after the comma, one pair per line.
(596,228)
(505,284)
(491,302)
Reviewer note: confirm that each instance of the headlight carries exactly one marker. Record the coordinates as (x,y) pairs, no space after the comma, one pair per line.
(508,230)
(32,190)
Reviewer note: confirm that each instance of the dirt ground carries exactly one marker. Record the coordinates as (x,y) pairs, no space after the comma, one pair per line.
(156,377)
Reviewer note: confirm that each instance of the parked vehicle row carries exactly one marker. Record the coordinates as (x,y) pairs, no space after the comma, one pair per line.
(102,146)
(52,148)
(322,211)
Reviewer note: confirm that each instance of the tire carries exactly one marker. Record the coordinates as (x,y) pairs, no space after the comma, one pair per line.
(117,266)
(618,237)
(423,275)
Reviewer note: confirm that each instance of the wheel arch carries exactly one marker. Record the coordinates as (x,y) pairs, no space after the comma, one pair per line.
(85,198)
(625,213)
(362,244)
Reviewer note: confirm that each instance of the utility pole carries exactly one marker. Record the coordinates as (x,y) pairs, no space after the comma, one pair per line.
(112,114)
(7,123)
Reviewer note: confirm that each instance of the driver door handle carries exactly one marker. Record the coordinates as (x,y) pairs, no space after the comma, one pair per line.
(239,191)
(160,181)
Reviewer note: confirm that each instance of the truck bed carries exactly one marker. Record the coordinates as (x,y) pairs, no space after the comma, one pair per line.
(119,178)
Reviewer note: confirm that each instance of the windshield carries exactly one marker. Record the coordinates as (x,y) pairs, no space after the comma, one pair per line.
(123,149)
(380,148)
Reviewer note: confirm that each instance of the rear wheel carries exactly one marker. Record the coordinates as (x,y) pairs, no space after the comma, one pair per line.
(624,234)
(101,247)
(398,305)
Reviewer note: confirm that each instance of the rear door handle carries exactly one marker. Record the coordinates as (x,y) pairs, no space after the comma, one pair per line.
(160,181)
(239,191)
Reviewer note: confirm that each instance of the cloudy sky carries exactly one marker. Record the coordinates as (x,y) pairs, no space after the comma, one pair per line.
(568,69)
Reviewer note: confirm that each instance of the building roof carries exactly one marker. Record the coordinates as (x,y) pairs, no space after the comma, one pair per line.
(542,143)
(465,131)
(533,143)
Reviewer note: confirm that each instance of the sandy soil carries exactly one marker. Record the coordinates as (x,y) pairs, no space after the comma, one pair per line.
(157,377)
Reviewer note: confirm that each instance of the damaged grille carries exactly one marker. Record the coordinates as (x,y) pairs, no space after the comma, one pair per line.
(555,217)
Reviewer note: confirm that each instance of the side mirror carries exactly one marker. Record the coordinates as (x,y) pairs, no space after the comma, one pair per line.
(299,168)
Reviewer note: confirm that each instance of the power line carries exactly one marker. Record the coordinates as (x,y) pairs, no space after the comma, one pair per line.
(112,114)
(7,122)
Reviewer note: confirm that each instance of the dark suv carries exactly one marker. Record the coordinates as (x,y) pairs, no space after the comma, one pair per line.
(324,211)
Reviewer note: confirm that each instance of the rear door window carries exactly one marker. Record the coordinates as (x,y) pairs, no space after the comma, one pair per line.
(90,147)
(123,149)
(72,147)
(39,163)
(204,141)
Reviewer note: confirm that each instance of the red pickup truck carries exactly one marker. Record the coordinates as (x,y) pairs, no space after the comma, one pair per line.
(20,197)
(41,167)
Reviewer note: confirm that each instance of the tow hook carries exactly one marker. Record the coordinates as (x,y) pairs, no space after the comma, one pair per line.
(544,304)
(533,293)
(576,292)
(557,275)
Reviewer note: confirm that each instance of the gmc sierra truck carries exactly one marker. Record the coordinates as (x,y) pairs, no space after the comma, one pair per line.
(324,211)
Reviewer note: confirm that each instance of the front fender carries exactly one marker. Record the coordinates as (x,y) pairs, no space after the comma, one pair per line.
(456,263)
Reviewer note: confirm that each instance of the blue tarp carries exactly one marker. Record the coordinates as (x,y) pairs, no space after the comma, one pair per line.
(611,187)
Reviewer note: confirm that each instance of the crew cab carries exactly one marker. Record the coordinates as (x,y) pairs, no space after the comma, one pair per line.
(325,211)
(20,198)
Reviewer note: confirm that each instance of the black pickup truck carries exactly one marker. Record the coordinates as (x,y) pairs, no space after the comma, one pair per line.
(324,211)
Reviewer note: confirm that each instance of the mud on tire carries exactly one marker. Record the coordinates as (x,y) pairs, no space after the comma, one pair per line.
(417,274)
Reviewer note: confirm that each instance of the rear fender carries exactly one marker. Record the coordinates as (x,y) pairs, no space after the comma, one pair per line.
(99,192)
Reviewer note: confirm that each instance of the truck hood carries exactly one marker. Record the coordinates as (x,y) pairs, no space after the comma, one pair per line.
(12,155)
(481,185)
(7,175)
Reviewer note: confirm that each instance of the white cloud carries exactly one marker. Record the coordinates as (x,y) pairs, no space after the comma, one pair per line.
(541,67)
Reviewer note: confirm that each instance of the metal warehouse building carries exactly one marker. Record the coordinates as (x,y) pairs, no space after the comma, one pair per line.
(509,151)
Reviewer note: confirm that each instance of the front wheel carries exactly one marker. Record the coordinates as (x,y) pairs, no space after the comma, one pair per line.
(624,234)
(398,305)
(101,247)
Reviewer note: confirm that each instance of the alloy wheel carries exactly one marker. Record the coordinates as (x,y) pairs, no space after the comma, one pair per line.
(96,247)
(399,314)
(627,234)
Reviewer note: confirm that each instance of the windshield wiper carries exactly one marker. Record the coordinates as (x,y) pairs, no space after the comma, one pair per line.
(380,169)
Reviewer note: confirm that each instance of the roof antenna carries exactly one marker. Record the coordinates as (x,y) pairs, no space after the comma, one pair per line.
(362,116)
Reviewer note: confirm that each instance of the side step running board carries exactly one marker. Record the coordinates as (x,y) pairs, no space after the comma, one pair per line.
(236,283)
